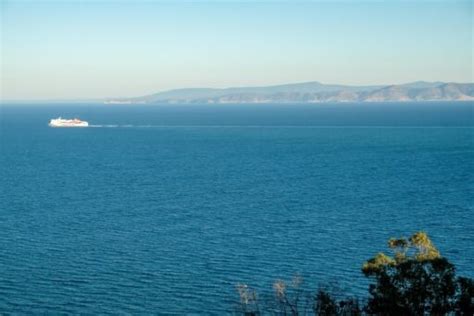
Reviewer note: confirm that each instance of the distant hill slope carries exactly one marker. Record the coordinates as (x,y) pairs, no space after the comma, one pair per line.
(312,92)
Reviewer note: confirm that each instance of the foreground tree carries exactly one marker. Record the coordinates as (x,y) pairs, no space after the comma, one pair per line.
(465,297)
(416,280)
(248,303)
(327,305)
(290,298)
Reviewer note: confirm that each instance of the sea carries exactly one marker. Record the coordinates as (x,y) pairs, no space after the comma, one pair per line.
(165,209)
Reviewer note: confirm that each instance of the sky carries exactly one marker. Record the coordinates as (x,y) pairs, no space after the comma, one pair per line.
(100,49)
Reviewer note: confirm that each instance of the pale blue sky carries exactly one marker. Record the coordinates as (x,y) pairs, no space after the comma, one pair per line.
(95,49)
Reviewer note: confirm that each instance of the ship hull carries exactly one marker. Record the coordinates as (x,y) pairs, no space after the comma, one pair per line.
(68,125)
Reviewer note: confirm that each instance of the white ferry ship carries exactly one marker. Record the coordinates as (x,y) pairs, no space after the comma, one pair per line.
(60,122)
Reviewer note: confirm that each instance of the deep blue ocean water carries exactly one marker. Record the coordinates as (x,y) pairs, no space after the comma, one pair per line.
(166,208)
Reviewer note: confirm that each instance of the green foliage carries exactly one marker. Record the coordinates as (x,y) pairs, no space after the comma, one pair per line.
(425,249)
(327,305)
(413,288)
(418,247)
(377,263)
(416,281)
(465,297)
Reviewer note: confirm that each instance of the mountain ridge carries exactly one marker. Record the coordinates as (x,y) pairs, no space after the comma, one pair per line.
(311,92)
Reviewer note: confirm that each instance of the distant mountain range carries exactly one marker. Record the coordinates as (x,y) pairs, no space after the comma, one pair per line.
(311,92)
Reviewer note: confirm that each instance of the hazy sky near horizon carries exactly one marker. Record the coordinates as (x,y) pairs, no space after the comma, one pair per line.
(97,49)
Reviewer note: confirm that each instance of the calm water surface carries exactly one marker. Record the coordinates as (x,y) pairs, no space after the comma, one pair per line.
(167,208)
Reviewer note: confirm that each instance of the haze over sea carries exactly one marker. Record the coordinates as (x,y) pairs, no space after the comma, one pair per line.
(167,208)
